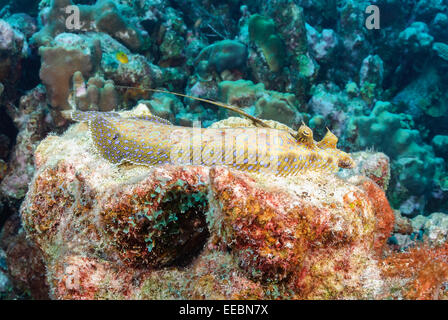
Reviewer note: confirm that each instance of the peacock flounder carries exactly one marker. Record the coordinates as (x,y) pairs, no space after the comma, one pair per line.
(150,140)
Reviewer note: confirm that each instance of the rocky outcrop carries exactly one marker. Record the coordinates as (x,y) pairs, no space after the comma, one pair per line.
(99,225)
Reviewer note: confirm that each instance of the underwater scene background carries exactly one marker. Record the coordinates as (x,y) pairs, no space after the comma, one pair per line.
(76,225)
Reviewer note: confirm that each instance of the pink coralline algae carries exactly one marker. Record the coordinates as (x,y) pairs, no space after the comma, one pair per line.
(195,232)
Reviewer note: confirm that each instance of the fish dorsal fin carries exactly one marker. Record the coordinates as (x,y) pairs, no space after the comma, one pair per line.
(329,141)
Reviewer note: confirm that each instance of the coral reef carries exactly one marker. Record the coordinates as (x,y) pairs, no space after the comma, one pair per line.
(67,54)
(14,48)
(383,92)
(434,228)
(416,37)
(261,103)
(415,164)
(262,32)
(314,236)
(426,95)
(374,165)
(101,17)
(24,259)
(424,268)
(30,118)
(223,55)
(440,144)
(96,94)
(323,45)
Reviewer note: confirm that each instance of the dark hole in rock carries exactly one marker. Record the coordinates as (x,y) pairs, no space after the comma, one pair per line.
(190,232)
(30,72)
(28,6)
(8,129)
(87,2)
(173,235)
